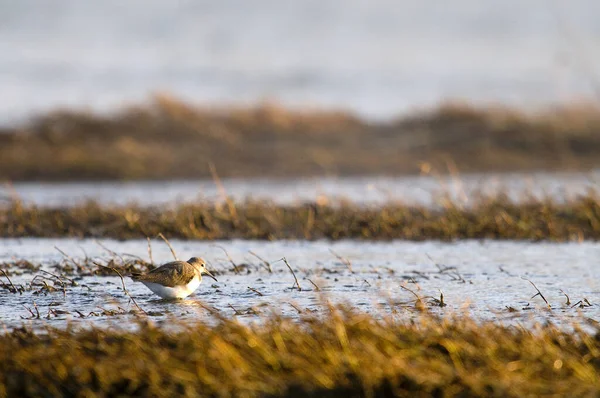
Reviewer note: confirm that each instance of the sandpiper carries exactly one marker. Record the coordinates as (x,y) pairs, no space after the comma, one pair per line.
(177,279)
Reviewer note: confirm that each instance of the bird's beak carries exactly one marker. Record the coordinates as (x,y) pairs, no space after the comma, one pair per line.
(209,274)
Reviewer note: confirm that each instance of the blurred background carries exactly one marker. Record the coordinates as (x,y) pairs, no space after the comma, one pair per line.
(161,90)
(378,58)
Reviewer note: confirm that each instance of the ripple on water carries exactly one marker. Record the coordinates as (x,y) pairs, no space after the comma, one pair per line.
(484,278)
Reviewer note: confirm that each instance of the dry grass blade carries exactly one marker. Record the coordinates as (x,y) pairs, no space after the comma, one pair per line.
(255,291)
(65,255)
(448,270)
(417,297)
(582,304)
(419,304)
(134,256)
(212,310)
(73,283)
(579,303)
(169,244)
(298,309)
(344,260)
(223,193)
(440,302)
(317,288)
(46,286)
(85,255)
(538,292)
(111,252)
(13,196)
(293,273)
(150,251)
(30,312)
(265,262)
(124,287)
(235,310)
(235,267)
(15,290)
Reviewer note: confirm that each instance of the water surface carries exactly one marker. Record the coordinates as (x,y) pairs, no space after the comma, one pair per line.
(425,190)
(483,278)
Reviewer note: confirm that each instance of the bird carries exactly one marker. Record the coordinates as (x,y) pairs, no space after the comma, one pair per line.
(176,279)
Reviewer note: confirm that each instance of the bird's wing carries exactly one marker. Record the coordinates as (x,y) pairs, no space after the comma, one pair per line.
(170,274)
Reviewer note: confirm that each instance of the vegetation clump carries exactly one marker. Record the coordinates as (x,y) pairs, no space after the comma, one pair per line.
(339,353)
(489,218)
(168,139)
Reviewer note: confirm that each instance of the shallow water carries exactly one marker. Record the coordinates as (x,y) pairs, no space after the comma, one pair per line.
(363,190)
(374,57)
(486,281)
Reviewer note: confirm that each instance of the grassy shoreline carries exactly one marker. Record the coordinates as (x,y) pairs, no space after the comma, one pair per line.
(340,353)
(490,218)
(167,139)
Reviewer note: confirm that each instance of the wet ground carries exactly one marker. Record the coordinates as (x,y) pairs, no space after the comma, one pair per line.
(487,279)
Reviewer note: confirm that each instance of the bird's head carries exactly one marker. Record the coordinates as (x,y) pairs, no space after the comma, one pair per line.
(200,266)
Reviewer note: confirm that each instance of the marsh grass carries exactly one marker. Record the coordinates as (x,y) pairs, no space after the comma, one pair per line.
(168,138)
(342,352)
(491,217)
(85,267)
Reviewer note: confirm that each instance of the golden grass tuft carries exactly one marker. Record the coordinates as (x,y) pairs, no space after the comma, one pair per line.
(339,353)
(494,217)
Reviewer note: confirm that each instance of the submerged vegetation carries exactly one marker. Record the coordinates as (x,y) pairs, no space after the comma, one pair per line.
(171,139)
(488,218)
(338,353)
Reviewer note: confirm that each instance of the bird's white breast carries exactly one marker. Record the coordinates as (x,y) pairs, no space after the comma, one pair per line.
(181,291)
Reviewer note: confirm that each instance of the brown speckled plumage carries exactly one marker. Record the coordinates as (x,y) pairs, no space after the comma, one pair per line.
(174,273)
